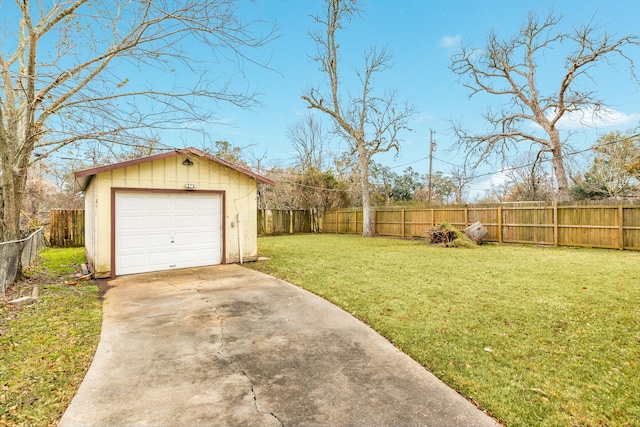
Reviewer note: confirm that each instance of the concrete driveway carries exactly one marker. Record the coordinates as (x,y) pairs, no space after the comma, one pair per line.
(228,346)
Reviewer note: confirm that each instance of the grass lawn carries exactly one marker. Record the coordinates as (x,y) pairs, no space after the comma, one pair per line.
(47,347)
(534,335)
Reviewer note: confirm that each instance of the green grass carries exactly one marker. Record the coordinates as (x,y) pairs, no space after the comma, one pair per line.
(534,335)
(47,347)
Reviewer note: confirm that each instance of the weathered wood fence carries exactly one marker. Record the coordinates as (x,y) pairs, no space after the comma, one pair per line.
(286,222)
(66,227)
(615,227)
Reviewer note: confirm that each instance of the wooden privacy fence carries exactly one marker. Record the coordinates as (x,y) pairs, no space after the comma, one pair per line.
(67,227)
(614,227)
(286,221)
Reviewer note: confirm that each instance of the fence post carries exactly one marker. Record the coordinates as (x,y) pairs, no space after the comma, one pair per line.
(621,227)
(375,222)
(402,222)
(433,218)
(555,225)
(355,221)
(500,224)
(466,217)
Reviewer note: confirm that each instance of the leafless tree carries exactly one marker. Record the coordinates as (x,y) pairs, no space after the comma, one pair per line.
(528,180)
(460,181)
(75,70)
(309,140)
(509,69)
(370,124)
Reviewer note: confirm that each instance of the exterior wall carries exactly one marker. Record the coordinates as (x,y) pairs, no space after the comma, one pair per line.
(170,174)
(90,214)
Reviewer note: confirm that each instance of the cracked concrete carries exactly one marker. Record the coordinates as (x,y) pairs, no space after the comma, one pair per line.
(227,346)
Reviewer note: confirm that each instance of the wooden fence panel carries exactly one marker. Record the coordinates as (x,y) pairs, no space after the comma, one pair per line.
(589,226)
(453,216)
(347,221)
(631,229)
(605,226)
(528,224)
(285,221)
(416,222)
(66,227)
(390,223)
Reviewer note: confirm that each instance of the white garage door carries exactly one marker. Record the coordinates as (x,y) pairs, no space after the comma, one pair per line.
(163,231)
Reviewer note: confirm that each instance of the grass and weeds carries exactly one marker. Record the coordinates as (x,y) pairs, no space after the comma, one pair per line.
(46,347)
(534,335)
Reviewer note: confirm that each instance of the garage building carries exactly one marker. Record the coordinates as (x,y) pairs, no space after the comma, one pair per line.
(179,209)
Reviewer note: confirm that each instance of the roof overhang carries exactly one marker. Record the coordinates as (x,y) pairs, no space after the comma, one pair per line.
(83,177)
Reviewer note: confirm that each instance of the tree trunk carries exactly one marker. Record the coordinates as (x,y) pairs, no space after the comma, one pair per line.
(367,224)
(13,184)
(476,232)
(558,167)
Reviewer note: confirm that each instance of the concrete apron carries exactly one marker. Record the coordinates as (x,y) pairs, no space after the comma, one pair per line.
(230,346)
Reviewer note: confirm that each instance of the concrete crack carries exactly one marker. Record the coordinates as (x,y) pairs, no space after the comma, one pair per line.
(236,367)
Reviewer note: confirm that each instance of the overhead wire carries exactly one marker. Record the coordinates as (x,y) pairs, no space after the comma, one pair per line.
(503,170)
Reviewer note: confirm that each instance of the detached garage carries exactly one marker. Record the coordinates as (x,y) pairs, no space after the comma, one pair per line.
(174,210)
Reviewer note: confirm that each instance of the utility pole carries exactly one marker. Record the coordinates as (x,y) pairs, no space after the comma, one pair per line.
(432,146)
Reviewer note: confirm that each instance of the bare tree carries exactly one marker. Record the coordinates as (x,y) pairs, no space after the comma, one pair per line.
(529,181)
(308,139)
(460,181)
(370,124)
(509,69)
(74,70)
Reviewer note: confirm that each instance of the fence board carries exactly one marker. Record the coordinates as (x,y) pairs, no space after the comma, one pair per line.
(605,226)
(67,227)
(285,221)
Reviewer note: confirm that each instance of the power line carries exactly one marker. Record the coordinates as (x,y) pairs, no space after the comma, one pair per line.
(478,175)
(562,156)
(410,163)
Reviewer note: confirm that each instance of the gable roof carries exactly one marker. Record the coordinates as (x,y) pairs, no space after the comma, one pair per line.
(83,177)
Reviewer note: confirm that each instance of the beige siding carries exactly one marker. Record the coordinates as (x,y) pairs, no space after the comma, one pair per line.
(171,174)
(90,243)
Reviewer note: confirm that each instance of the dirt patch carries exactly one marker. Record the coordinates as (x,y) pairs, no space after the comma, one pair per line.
(104,286)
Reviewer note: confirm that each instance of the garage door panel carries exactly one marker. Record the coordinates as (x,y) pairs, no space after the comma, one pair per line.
(157,203)
(185,237)
(154,240)
(158,222)
(188,257)
(132,243)
(160,231)
(131,222)
(187,204)
(207,237)
(209,221)
(132,204)
(131,260)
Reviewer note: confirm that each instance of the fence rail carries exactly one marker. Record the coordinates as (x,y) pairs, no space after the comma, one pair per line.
(612,226)
(18,252)
(67,227)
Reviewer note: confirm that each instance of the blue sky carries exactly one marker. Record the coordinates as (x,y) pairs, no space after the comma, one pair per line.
(422,35)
